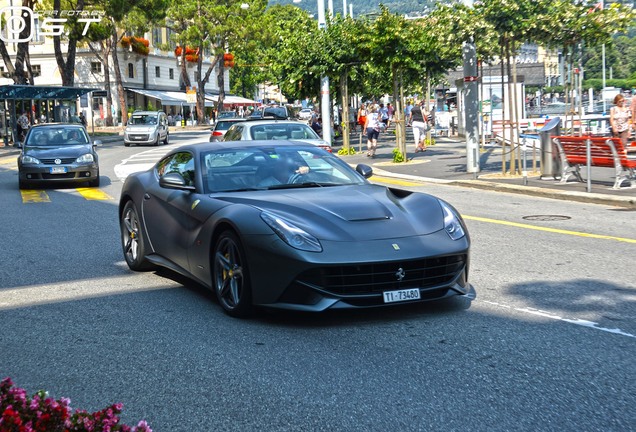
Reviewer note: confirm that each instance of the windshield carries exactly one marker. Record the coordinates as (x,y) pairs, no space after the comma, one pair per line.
(283,131)
(274,167)
(143,119)
(57,136)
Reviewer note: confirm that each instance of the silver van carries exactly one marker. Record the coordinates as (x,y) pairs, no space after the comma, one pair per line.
(146,127)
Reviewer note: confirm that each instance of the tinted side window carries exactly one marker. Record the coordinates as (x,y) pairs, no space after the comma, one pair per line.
(233,133)
(182,163)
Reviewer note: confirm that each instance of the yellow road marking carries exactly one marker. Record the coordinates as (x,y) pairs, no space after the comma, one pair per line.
(393,181)
(93,194)
(552,230)
(34,196)
(8,160)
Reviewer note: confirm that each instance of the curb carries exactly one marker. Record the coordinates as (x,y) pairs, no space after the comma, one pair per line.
(585,197)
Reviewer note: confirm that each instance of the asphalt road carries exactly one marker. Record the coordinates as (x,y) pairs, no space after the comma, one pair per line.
(549,343)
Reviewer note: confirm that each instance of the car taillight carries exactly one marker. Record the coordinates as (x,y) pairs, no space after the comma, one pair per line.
(217,133)
(326,148)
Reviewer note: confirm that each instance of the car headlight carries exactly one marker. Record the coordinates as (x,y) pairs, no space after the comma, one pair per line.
(452,222)
(30,160)
(87,158)
(291,234)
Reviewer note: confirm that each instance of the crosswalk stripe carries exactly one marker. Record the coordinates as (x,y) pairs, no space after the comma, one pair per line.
(93,194)
(34,196)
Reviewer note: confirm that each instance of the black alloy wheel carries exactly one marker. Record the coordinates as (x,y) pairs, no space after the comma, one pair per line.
(231,278)
(132,239)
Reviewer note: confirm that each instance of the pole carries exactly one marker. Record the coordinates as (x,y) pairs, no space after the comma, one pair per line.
(471,98)
(325,99)
(471,111)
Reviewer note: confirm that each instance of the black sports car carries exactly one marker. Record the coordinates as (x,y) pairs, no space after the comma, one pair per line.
(287,225)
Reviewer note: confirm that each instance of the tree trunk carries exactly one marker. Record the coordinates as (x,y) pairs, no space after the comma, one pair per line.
(118,80)
(66,68)
(503,112)
(221,80)
(344,92)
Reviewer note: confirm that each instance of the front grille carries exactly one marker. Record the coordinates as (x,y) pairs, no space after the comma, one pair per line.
(138,137)
(364,279)
(51,161)
(47,176)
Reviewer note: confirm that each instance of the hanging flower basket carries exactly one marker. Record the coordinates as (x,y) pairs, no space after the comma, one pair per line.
(136,44)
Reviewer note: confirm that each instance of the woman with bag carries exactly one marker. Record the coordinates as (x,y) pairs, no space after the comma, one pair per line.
(419,121)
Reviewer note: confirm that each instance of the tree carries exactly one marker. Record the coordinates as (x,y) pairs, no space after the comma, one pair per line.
(212,27)
(17,71)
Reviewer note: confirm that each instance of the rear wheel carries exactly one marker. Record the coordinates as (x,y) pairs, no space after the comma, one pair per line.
(231,278)
(132,239)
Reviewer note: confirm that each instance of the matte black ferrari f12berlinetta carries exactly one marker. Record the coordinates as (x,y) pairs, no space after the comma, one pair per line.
(288,225)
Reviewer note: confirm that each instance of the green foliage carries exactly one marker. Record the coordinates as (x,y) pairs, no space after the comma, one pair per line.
(350,151)
(398,156)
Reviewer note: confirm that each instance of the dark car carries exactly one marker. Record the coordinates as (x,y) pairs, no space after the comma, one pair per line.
(58,152)
(280,224)
(221,126)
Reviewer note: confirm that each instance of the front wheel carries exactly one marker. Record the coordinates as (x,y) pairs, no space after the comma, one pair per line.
(231,278)
(167,140)
(132,239)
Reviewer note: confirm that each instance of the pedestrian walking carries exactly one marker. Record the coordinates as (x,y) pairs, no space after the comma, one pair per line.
(23,125)
(620,116)
(418,120)
(372,128)
(390,110)
(384,116)
(362,116)
(82,118)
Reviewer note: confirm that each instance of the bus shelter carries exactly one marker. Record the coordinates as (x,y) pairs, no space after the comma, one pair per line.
(42,103)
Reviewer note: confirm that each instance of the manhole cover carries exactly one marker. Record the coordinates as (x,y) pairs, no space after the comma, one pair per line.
(546,217)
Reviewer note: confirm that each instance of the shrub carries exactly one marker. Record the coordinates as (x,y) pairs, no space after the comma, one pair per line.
(40,413)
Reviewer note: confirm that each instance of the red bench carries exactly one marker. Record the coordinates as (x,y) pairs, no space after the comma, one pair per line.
(604,152)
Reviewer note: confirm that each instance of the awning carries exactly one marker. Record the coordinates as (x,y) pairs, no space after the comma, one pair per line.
(167,97)
(231,100)
(28,92)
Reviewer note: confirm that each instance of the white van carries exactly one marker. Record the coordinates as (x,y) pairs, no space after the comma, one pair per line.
(146,127)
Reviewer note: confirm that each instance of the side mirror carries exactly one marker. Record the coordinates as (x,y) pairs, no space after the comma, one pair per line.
(174,181)
(364,170)
(97,143)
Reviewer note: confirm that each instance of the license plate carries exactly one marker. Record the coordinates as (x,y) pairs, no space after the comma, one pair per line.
(138,137)
(58,170)
(401,295)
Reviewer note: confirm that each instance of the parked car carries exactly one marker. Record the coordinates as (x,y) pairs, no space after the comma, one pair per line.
(305,114)
(275,130)
(221,126)
(226,115)
(58,152)
(147,127)
(286,225)
(271,112)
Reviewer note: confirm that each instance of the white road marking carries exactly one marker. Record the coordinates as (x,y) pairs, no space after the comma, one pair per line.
(583,323)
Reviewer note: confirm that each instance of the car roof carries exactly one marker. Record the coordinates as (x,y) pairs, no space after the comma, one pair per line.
(58,124)
(253,122)
(220,145)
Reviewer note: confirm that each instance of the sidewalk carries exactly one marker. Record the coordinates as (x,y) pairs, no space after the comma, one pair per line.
(445,162)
